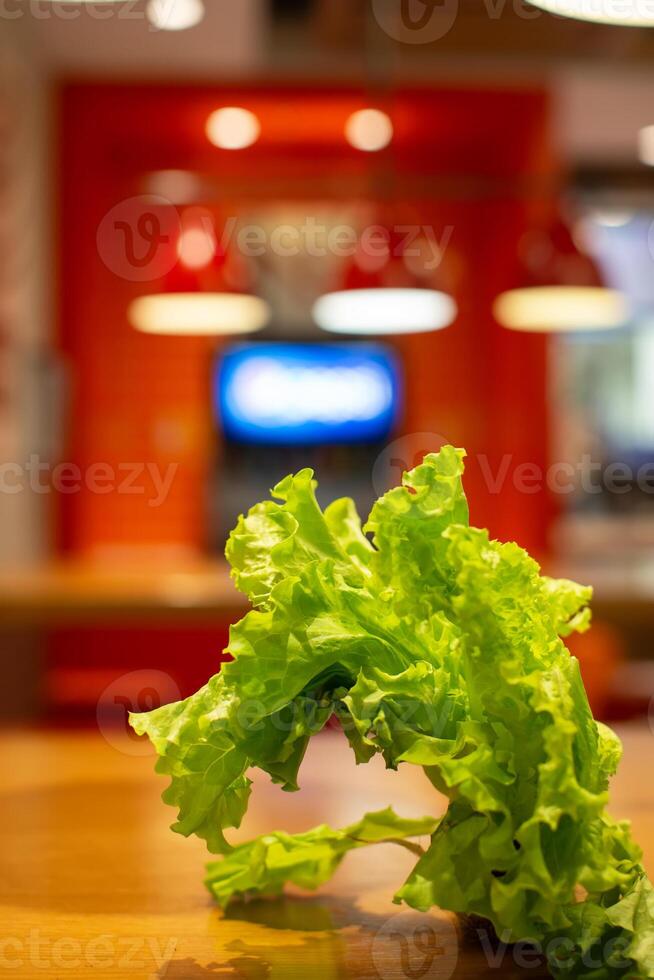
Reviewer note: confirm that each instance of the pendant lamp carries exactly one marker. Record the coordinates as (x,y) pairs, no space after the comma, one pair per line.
(206,294)
(561,289)
(387,290)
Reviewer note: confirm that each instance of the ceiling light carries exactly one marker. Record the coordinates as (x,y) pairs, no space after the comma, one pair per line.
(545,309)
(384,311)
(196,248)
(612,219)
(369,129)
(646,145)
(627,13)
(174,15)
(198,314)
(233,128)
(561,284)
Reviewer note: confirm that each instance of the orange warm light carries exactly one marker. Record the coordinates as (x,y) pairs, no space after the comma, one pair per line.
(198,314)
(334,121)
(561,309)
(369,130)
(233,128)
(196,248)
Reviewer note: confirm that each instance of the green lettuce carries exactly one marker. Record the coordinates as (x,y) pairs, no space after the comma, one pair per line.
(433,646)
(264,866)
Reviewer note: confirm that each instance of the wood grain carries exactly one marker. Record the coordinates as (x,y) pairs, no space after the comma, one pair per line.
(95,885)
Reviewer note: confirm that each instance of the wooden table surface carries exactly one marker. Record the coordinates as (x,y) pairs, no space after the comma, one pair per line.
(93,884)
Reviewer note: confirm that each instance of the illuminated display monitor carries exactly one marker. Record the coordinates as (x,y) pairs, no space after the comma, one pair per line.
(307,394)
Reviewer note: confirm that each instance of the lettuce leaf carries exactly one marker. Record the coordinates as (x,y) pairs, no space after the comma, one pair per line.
(264,866)
(433,646)
(607,941)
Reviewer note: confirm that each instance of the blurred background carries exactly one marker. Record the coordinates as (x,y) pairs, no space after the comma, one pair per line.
(243,238)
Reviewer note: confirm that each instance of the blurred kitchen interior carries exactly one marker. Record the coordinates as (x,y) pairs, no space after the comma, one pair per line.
(515,157)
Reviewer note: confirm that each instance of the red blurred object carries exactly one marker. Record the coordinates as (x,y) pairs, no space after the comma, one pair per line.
(600,652)
(398,256)
(550,256)
(207,265)
(84,663)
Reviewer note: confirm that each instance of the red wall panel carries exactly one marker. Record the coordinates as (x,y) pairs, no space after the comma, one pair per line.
(477,159)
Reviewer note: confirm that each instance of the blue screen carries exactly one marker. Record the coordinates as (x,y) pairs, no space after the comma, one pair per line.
(307,394)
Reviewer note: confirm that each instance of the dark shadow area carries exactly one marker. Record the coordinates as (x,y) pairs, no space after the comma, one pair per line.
(241,968)
(312,914)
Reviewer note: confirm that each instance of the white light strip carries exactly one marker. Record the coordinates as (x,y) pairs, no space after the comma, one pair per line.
(561,309)
(198,314)
(625,13)
(384,311)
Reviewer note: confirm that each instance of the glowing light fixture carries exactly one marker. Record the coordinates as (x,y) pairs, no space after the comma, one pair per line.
(198,314)
(196,247)
(207,292)
(646,145)
(401,292)
(612,219)
(627,13)
(548,309)
(384,311)
(233,128)
(369,130)
(174,15)
(561,287)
